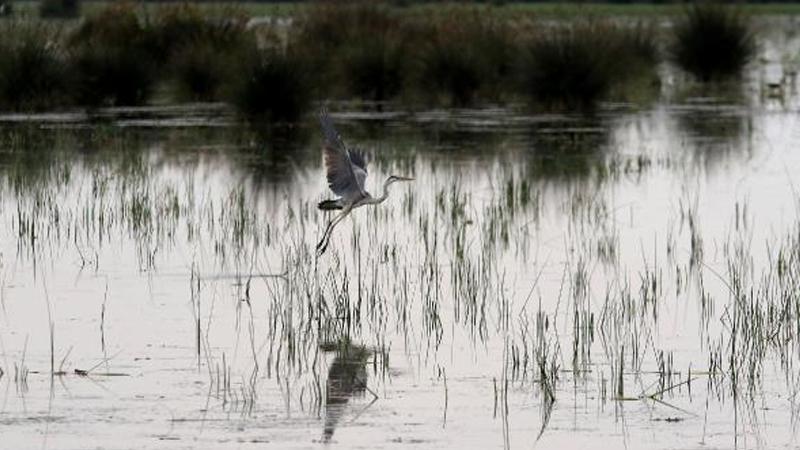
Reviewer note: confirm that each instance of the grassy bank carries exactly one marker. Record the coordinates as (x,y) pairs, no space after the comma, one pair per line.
(450,55)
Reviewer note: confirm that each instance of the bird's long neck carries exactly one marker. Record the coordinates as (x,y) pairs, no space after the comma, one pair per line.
(384,195)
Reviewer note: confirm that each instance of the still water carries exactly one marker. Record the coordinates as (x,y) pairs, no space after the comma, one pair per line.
(628,278)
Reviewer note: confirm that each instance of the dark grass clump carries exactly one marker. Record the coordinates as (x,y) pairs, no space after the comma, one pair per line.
(174,27)
(359,49)
(271,86)
(197,51)
(61,9)
(33,73)
(464,54)
(374,69)
(578,66)
(110,59)
(199,71)
(713,42)
(6,8)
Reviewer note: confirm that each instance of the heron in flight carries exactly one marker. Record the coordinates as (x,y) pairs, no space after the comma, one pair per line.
(346,171)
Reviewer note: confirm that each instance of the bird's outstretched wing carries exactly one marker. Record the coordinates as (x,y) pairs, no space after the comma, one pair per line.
(357,158)
(346,169)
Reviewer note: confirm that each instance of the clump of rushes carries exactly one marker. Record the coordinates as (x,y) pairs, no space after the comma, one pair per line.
(33,73)
(110,58)
(358,47)
(463,53)
(577,66)
(59,8)
(713,42)
(272,86)
(374,68)
(197,51)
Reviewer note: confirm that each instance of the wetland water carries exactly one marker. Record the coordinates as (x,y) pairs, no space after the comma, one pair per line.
(629,279)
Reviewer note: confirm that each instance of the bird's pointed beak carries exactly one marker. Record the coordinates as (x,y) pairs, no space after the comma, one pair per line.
(404,178)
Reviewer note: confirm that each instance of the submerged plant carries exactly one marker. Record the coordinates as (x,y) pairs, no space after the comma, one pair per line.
(713,42)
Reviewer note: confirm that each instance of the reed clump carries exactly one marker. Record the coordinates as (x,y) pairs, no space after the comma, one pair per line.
(713,42)
(272,86)
(463,55)
(575,67)
(61,9)
(197,51)
(457,56)
(33,72)
(358,49)
(109,56)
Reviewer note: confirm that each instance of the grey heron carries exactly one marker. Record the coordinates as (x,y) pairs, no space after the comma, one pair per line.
(346,170)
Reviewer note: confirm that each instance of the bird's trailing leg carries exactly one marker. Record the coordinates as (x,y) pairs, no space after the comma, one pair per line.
(326,236)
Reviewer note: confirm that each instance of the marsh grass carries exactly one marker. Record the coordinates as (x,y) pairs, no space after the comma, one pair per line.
(371,286)
(575,67)
(713,42)
(359,49)
(124,54)
(376,69)
(110,59)
(463,54)
(33,73)
(197,50)
(273,87)
(61,9)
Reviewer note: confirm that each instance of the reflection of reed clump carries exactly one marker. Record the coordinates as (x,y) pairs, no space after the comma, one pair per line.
(716,132)
(567,149)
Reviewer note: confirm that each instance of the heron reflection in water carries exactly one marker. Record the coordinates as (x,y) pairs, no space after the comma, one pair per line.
(346,170)
(347,378)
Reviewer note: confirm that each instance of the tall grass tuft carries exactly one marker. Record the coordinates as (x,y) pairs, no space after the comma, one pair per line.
(376,68)
(173,27)
(33,73)
(197,50)
(59,8)
(464,53)
(199,71)
(578,66)
(272,86)
(110,58)
(359,49)
(713,42)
